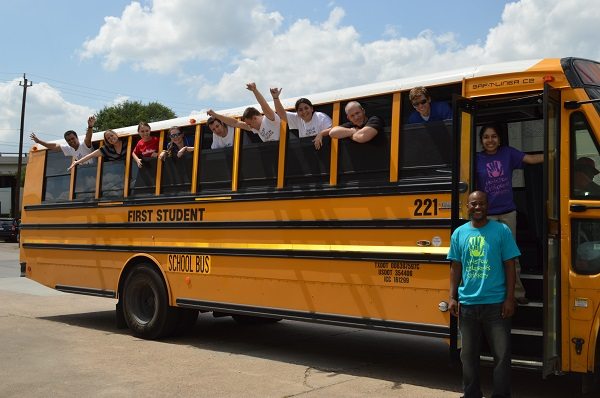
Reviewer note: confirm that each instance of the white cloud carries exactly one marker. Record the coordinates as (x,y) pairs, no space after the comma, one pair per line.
(47,113)
(538,28)
(310,58)
(239,41)
(169,32)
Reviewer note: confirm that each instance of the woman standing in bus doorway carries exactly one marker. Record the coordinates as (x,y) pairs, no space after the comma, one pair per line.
(113,149)
(495,165)
(308,122)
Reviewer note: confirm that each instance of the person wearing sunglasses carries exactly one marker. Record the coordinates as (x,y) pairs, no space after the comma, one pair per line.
(425,109)
(178,145)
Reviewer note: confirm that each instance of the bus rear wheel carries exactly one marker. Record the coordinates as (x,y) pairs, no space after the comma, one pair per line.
(146,306)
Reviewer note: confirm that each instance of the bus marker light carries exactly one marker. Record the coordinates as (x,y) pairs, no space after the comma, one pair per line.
(423,243)
(581,303)
(188,280)
(548,78)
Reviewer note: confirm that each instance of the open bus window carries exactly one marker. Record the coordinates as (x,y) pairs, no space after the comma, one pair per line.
(368,163)
(585,160)
(113,177)
(425,149)
(586,246)
(56,178)
(177,171)
(85,181)
(214,165)
(304,164)
(142,181)
(437,94)
(258,162)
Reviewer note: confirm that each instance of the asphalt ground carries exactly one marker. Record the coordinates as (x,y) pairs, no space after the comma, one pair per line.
(54,344)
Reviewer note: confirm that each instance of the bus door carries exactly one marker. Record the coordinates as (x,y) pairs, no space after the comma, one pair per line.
(582,241)
(551,230)
(463,147)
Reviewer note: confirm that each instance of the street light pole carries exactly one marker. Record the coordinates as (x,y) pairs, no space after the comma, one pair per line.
(16,210)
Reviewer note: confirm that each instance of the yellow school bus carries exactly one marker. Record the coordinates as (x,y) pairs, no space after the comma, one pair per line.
(351,234)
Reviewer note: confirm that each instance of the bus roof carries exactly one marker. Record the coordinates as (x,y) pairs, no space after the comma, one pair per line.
(434,79)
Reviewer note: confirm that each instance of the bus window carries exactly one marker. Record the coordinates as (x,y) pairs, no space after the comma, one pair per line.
(177,171)
(304,164)
(425,149)
(214,165)
(367,163)
(85,181)
(258,163)
(586,246)
(437,94)
(56,179)
(585,160)
(113,177)
(142,181)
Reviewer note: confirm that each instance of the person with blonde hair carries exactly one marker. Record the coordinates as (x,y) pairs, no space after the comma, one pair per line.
(427,110)
(113,149)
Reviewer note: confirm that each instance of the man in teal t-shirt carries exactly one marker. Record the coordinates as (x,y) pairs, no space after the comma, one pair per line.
(482,279)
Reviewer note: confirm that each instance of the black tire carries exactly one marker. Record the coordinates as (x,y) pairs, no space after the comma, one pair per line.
(146,305)
(254,320)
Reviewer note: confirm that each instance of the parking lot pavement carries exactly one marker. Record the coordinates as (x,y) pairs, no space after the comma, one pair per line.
(62,345)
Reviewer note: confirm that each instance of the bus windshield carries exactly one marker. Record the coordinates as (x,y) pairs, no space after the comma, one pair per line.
(589,73)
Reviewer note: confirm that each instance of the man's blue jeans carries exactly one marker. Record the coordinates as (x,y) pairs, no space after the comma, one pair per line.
(472,321)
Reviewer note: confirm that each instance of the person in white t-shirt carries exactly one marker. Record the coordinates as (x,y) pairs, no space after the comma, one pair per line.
(222,133)
(308,122)
(266,125)
(73,147)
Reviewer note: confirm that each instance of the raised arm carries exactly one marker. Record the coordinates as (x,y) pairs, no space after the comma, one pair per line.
(50,145)
(279,109)
(229,120)
(96,154)
(264,105)
(90,130)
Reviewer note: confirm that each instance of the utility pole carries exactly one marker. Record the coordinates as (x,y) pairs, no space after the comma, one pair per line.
(16,210)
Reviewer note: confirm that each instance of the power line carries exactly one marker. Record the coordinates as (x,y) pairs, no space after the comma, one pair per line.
(108,91)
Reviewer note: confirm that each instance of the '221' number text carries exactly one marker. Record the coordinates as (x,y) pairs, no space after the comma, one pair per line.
(426,207)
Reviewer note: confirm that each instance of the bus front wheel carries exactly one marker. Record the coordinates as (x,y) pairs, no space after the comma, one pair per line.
(146,305)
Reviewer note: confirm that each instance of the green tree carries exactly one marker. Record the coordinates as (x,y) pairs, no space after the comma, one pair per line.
(130,113)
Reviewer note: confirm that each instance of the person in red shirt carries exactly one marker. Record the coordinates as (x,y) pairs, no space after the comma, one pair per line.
(147,147)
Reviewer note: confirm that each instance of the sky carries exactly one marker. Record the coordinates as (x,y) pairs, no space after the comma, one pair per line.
(194,55)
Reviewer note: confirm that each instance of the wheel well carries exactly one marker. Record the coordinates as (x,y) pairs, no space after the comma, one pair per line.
(130,266)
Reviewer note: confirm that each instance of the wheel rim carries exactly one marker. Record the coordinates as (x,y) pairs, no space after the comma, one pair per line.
(143,300)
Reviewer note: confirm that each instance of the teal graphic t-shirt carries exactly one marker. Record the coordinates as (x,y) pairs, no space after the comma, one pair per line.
(482,252)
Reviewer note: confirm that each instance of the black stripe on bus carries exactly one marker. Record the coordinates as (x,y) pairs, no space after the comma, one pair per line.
(296,224)
(243,252)
(86,291)
(299,194)
(337,320)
